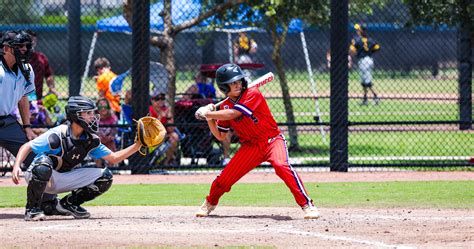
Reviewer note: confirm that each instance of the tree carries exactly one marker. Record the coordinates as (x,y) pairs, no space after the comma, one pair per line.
(459,14)
(276,16)
(16,12)
(165,41)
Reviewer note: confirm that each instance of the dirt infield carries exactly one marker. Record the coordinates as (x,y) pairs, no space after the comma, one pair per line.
(279,227)
(239,226)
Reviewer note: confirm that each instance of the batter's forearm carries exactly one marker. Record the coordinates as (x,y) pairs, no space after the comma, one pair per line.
(215,131)
(227,114)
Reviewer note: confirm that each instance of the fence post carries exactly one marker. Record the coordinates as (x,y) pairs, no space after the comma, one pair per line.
(465,72)
(74,42)
(339,154)
(140,58)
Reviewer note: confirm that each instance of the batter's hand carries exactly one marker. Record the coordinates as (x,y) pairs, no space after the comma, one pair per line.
(201,113)
(211,107)
(203,110)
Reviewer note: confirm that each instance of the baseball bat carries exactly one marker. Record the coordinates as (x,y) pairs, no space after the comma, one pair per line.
(261,81)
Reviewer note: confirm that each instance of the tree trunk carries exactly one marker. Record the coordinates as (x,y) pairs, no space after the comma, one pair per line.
(170,62)
(278,40)
(165,42)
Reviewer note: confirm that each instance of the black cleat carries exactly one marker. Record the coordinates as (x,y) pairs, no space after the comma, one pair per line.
(34,214)
(75,210)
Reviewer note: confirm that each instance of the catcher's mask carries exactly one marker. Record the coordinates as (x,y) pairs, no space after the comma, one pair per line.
(227,74)
(16,40)
(76,105)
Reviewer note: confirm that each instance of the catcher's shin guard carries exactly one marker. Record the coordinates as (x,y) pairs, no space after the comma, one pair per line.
(87,193)
(41,171)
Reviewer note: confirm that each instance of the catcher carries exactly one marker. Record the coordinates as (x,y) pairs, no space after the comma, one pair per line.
(59,153)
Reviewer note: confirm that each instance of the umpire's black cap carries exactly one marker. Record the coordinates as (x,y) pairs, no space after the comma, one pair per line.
(12,38)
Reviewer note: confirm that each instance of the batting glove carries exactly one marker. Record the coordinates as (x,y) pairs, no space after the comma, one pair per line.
(201,113)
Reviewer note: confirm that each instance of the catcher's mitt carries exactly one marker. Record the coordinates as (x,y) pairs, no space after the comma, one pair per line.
(150,133)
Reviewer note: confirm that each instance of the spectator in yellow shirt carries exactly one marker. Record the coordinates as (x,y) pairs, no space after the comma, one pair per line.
(103,79)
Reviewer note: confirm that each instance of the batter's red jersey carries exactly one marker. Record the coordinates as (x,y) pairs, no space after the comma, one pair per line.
(256,123)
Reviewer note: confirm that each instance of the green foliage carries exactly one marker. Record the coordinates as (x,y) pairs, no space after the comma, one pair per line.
(17,12)
(435,194)
(438,12)
(56,19)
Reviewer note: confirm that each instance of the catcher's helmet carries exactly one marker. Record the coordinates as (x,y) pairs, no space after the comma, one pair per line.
(78,104)
(227,74)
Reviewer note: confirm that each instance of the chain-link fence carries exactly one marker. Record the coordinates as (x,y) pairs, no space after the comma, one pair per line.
(407,106)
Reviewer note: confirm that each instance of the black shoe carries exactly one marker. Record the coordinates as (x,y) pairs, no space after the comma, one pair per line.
(376,100)
(34,214)
(49,207)
(75,210)
(364,102)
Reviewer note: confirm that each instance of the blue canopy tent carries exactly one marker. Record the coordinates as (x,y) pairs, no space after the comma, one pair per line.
(182,11)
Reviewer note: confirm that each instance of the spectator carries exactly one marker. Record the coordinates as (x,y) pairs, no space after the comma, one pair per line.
(41,67)
(158,109)
(39,116)
(244,47)
(106,134)
(126,114)
(203,88)
(103,79)
(363,47)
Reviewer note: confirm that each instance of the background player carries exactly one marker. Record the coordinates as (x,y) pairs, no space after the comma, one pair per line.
(363,47)
(59,151)
(247,113)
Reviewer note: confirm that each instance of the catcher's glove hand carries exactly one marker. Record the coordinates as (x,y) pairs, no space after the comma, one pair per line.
(150,133)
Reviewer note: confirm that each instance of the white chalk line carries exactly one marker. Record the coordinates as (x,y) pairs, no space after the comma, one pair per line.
(341,238)
(408,217)
(220,231)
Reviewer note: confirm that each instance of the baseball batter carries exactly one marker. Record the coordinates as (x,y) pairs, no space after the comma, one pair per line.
(363,47)
(56,167)
(247,113)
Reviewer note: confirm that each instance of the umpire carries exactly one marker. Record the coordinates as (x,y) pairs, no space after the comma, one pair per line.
(16,77)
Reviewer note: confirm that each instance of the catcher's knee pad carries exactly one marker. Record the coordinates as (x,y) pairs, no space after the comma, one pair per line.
(87,193)
(42,168)
(104,182)
(41,171)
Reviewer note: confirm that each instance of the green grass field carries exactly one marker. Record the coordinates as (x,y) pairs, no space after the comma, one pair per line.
(299,83)
(392,144)
(432,194)
(409,143)
(304,108)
